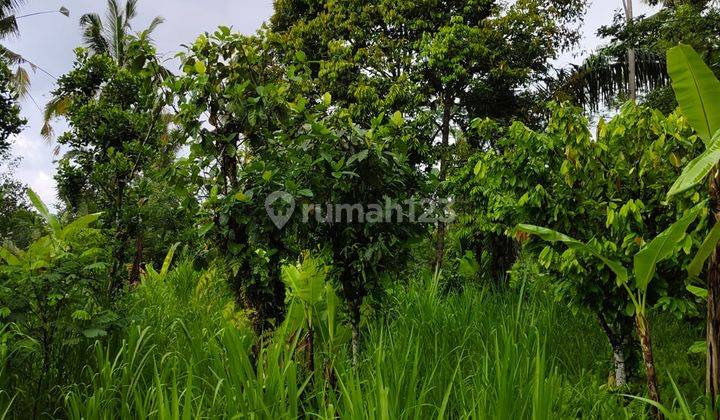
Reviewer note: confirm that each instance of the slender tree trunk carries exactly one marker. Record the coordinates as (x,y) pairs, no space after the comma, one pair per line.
(632,66)
(643,330)
(440,241)
(712,382)
(137,261)
(616,343)
(355,340)
(620,371)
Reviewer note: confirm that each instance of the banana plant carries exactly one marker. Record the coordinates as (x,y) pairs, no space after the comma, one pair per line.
(698,93)
(314,309)
(645,263)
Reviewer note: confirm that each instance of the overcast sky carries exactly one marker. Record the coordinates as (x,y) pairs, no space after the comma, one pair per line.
(49,40)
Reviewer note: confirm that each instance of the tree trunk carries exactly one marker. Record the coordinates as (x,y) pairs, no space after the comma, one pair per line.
(616,343)
(137,261)
(643,330)
(632,69)
(712,379)
(440,240)
(620,371)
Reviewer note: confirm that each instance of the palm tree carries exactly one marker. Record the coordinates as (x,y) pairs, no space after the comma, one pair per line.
(8,28)
(621,67)
(110,36)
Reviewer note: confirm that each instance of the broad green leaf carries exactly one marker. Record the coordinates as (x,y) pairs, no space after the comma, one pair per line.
(168,259)
(699,347)
(706,249)
(696,88)
(78,225)
(241,196)
(553,236)
(43,210)
(662,247)
(697,170)
(305,281)
(360,156)
(8,256)
(200,67)
(94,333)
(697,291)
(478,168)
(327,99)
(397,119)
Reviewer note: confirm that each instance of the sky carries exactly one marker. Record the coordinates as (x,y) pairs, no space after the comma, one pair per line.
(49,40)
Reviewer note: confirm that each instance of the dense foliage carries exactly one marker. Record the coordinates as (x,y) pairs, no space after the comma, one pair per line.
(369,210)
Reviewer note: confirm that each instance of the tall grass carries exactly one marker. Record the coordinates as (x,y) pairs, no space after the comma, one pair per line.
(475,354)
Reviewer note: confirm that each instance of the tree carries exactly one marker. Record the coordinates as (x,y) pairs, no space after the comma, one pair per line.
(51,292)
(118,132)
(258,133)
(112,38)
(17,221)
(609,190)
(439,63)
(604,77)
(645,264)
(10,120)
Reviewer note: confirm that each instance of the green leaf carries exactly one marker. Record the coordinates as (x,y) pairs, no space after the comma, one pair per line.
(397,119)
(697,170)
(306,281)
(662,247)
(8,256)
(81,315)
(697,291)
(699,347)
(327,99)
(478,168)
(204,229)
(79,225)
(200,67)
(706,249)
(305,192)
(43,210)
(94,333)
(360,156)
(241,196)
(168,259)
(696,88)
(553,236)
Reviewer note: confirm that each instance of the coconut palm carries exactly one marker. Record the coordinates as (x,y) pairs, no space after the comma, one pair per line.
(621,68)
(112,35)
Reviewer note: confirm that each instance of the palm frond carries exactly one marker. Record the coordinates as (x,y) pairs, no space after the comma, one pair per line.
(56,107)
(21,82)
(8,26)
(115,30)
(159,20)
(93,37)
(130,11)
(11,57)
(602,78)
(8,7)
